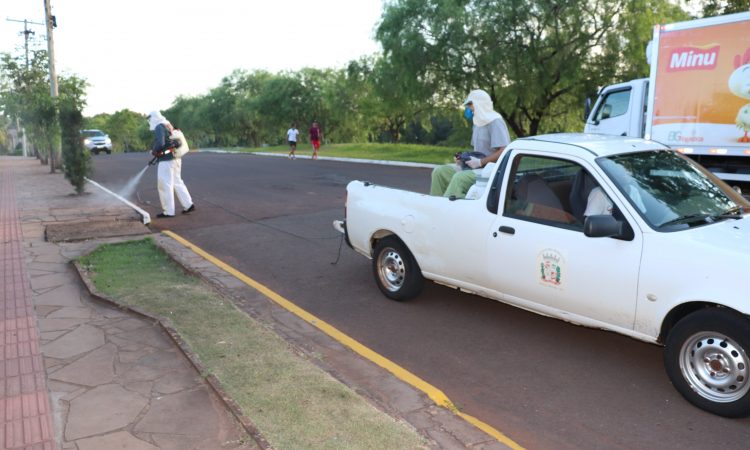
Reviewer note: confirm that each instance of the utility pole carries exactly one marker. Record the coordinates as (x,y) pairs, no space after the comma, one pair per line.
(26,34)
(50,20)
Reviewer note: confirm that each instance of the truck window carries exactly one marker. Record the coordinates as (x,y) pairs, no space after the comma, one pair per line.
(614,104)
(541,191)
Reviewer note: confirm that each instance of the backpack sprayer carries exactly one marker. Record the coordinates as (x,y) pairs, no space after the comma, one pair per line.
(173,144)
(176,144)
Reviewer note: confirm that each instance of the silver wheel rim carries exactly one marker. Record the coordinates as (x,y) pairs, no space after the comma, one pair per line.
(715,366)
(391,269)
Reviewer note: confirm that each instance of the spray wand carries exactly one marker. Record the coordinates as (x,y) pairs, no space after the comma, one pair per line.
(153,161)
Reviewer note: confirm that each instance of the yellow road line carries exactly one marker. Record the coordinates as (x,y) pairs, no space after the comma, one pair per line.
(435,394)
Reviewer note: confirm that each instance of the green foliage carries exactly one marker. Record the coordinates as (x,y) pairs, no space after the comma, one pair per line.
(127,129)
(717,7)
(537,59)
(25,93)
(4,136)
(626,51)
(76,159)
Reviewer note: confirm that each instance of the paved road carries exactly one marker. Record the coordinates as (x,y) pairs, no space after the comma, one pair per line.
(544,383)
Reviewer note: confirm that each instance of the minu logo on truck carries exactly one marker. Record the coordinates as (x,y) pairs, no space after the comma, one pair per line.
(693,58)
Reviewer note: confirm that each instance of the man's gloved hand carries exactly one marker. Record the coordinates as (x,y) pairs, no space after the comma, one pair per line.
(474,163)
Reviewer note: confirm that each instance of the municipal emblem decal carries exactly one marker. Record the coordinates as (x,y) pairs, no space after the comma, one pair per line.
(551,266)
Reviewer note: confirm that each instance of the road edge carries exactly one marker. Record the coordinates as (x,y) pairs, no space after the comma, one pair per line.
(435,395)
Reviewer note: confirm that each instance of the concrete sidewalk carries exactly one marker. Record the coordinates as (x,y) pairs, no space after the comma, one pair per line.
(78,374)
(116,380)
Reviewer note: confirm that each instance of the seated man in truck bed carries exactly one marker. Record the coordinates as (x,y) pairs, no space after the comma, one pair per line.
(489,137)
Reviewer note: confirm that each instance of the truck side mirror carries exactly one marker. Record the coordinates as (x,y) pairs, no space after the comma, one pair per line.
(586,109)
(606,225)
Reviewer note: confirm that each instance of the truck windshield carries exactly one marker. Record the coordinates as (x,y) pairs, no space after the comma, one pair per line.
(671,192)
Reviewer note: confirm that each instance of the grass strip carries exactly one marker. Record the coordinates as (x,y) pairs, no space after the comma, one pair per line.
(294,403)
(389,152)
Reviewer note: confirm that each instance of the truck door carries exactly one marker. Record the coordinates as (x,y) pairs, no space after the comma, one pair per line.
(538,256)
(611,113)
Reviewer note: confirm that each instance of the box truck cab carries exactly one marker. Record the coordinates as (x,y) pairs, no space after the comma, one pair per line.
(696,99)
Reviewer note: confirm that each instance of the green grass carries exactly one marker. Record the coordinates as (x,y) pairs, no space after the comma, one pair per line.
(294,403)
(429,154)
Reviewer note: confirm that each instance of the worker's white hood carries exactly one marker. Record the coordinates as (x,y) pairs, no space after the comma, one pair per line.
(483,111)
(154,119)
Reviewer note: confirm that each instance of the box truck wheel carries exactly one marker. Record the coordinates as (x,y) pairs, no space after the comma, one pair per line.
(397,273)
(706,358)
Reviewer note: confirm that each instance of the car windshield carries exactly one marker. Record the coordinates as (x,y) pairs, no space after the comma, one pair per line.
(671,192)
(92,133)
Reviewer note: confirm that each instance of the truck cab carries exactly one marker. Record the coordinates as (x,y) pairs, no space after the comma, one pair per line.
(620,110)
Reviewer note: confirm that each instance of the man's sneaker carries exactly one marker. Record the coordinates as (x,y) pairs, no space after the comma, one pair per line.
(163,216)
(189,210)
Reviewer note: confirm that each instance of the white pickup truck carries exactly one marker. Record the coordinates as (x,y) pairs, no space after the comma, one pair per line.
(664,260)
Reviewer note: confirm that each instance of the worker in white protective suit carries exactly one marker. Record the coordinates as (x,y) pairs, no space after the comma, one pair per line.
(169,168)
(489,138)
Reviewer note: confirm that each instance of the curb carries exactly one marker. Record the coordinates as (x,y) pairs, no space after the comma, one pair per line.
(381,162)
(166,325)
(145,216)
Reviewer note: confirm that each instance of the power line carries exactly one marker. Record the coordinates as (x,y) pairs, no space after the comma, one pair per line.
(26,33)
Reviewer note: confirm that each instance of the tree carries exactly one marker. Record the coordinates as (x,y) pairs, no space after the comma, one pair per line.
(4,138)
(536,59)
(126,129)
(625,51)
(24,94)
(717,7)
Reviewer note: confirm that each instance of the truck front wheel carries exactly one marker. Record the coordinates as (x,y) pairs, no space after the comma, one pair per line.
(397,273)
(707,360)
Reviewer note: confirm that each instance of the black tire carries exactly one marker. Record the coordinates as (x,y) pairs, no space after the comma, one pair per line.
(707,358)
(109,152)
(396,272)
(95,152)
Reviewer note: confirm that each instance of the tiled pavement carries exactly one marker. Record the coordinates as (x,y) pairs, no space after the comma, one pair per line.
(24,403)
(114,380)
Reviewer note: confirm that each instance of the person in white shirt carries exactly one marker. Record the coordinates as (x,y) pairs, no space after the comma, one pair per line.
(291,135)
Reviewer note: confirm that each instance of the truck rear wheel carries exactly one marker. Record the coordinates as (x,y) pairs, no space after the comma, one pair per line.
(707,357)
(397,273)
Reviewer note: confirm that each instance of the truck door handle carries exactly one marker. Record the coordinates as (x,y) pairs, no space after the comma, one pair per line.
(508,230)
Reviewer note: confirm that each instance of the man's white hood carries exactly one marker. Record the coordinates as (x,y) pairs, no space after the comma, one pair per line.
(483,111)
(154,119)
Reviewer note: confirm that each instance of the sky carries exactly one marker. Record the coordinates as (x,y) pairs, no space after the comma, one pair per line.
(142,54)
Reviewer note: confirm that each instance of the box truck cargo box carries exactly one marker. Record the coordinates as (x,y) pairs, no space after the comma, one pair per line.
(696,99)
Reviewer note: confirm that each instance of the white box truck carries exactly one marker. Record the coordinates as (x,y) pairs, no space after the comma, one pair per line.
(696,100)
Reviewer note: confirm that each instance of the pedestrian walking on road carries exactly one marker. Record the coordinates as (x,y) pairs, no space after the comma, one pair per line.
(292,135)
(169,168)
(316,135)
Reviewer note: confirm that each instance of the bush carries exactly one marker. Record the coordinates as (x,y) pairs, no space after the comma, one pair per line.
(76,160)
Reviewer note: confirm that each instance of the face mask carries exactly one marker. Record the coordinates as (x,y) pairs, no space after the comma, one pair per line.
(468,114)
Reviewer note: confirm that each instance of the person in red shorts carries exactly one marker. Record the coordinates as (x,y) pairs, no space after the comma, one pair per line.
(315,136)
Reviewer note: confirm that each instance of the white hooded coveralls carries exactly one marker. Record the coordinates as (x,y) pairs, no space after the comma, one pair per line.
(169,174)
